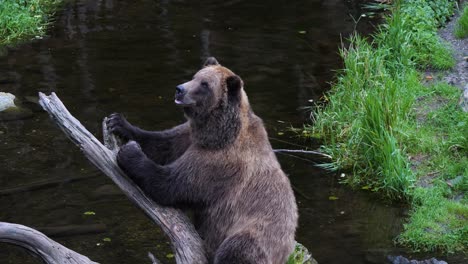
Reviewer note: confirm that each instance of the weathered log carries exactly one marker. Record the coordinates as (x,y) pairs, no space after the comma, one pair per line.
(186,242)
(48,250)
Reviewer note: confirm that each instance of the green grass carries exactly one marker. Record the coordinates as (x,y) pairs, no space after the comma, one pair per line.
(438,143)
(22,20)
(359,121)
(300,256)
(461,29)
(437,223)
(393,132)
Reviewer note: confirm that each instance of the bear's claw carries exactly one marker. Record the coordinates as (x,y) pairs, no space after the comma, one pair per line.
(118,125)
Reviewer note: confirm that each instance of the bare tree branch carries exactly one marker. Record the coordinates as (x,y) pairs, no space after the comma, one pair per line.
(186,243)
(300,151)
(48,250)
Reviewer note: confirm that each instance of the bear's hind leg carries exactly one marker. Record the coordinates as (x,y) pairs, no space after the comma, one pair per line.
(240,249)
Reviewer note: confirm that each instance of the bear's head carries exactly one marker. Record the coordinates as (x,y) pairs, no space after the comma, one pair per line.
(213,87)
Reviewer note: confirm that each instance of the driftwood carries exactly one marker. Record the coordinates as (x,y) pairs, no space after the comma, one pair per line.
(287,152)
(186,243)
(48,250)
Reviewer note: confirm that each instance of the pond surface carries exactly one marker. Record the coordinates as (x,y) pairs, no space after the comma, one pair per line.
(127,56)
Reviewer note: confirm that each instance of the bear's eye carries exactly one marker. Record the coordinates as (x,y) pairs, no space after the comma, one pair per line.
(204,84)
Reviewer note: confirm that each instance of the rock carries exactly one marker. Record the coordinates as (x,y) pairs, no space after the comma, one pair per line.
(7,100)
(10,111)
(464,99)
(403,260)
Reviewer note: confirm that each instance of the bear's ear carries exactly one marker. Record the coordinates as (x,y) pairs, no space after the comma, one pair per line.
(234,84)
(210,61)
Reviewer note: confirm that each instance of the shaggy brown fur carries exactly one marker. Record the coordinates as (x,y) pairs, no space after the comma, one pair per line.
(220,164)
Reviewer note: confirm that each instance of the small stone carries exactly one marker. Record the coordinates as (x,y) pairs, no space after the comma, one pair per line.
(403,260)
(9,111)
(7,100)
(464,99)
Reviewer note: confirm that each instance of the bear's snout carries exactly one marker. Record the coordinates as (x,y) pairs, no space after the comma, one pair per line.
(181,97)
(180,90)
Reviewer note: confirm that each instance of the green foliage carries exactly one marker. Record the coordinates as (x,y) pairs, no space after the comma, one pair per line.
(440,133)
(367,105)
(300,255)
(24,19)
(370,106)
(439,137)
(436,223)
(393,132)
(421,18)
(461,29)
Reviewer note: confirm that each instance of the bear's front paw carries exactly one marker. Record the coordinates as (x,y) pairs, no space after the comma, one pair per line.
(130,156)
(118,125)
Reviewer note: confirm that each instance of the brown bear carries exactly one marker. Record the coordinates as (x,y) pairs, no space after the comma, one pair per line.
(221,165)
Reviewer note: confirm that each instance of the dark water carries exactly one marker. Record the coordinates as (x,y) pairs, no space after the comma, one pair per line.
(128,56)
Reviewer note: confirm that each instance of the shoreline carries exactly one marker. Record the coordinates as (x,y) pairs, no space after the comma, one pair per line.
(393,120)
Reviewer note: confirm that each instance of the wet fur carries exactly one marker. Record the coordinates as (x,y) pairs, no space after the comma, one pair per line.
(220,164)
